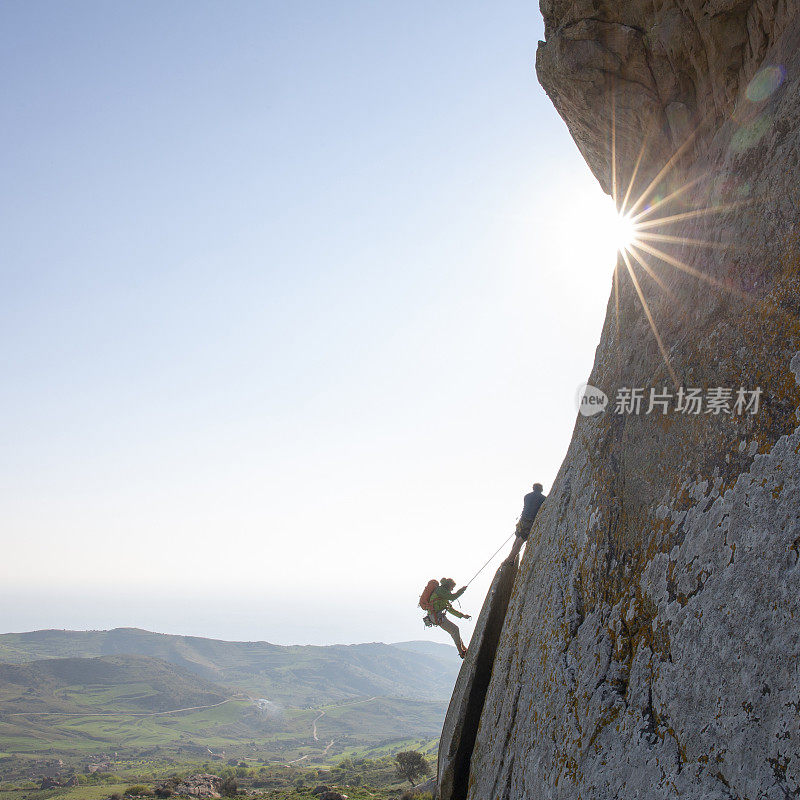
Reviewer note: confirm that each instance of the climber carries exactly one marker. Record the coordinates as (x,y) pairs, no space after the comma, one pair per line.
(530,508)
(440,600)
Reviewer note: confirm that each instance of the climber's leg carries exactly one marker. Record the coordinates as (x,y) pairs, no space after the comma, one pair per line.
(452,629)
(522,531)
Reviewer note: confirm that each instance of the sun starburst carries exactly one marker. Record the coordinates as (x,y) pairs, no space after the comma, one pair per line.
(642,234)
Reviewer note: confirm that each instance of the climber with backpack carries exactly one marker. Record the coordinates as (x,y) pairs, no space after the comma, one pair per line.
(436,599)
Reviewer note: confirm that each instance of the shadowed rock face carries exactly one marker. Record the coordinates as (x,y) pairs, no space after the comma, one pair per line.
(466,705)
(650,647)
(665,67)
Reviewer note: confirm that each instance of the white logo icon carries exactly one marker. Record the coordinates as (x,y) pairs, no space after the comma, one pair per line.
(590,400)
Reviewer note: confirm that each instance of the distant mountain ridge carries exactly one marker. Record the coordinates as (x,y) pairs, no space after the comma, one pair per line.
(297,675)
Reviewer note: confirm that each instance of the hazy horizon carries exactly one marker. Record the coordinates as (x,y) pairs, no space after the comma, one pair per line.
(297,297)
(215,638)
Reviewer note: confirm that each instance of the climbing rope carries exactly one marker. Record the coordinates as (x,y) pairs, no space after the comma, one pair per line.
(491,557)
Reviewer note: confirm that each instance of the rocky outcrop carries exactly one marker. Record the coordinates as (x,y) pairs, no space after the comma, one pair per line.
(466,705)
(429,787)
(650,647)
(661,68)
(49,782)
(208,786)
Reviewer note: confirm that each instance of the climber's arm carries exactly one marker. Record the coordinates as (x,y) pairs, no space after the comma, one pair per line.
(450,596)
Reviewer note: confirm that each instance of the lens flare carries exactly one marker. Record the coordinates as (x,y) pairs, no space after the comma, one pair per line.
(642,220)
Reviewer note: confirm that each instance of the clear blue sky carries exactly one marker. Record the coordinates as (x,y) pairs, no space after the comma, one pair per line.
(295,300)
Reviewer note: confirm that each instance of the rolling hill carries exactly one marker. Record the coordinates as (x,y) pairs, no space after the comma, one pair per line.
(76,693)
(110,684)
(296,675)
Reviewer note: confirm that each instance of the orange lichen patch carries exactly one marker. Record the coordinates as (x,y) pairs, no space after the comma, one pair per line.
(606,718)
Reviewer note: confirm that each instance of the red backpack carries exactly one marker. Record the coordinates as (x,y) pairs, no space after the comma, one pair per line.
(425,598)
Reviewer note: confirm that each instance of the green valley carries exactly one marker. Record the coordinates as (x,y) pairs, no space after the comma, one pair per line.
(128,703)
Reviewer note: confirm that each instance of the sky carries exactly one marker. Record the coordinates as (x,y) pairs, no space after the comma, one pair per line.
(296,297)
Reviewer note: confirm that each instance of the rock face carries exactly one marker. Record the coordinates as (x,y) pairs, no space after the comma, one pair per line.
(466,705)
(650,647)
(676,65)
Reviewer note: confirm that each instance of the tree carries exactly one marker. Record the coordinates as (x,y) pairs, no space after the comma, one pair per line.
(411,765)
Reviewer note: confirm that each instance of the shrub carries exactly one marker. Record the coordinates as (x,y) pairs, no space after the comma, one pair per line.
(138,790)
(229,787)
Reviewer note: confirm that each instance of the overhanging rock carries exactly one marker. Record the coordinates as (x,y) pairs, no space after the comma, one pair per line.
(466,704)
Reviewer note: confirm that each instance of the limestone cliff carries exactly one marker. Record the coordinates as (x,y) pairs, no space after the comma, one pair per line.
(650,647)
